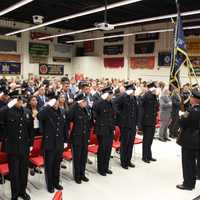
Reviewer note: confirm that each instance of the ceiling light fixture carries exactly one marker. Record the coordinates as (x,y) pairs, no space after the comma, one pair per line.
(130,34)
(125,23)
(111,6)
(15,6)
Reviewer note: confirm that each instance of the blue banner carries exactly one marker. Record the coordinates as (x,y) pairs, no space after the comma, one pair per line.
(10,68)
(164,59)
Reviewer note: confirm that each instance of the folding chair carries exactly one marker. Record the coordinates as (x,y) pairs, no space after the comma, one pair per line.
(35,157)
(4,171)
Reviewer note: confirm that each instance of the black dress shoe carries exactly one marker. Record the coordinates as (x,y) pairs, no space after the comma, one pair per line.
(51,190)
(25,196)
(124,167)
(162,140)
(63,166)
(78,180)
(183,187)
(167,139)
(89,162)
(59,187)
(145,160)
(84,178)
(109,171)
(198,178)
(131,165)
(102,173)
(153,159)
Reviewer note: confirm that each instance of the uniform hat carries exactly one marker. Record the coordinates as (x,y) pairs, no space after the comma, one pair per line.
(196,93)
(195,85)
(130,87)
(151,84)
(80,97)
(83,84)
(108,90)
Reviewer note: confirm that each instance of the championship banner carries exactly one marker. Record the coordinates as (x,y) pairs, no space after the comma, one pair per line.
(164,59)
(10,68)
(147,36)
(144,48)
(36,35)
(193,45)
(113,50)
(113,62)
(116,39)
(88,46)
(8,45)
(38,49)
(49,69)
(62,59)
(142,62)
(195,60)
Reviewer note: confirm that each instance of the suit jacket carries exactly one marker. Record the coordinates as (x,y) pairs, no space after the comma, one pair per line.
(41,101)
(17,130)
(165,107)
(96,97)
(104,117)
(54,128)
(190,129)
(81,124)
(175,104)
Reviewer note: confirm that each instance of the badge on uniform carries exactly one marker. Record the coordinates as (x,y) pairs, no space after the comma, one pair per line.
(64,117)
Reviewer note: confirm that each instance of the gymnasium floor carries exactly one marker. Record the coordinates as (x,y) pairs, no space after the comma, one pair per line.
(156,181)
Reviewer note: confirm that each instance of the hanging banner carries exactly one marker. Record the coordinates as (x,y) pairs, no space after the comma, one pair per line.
(88,46)
(10,68)
(164,59)
(62,50)
(10,58)
(38,49)
(36,35)
(147,36)
(38,59)
(195,60)
(142,62)
(8,45)
(116,39)
(113,50)
(193,45)
(49,69)
(144,48)
(113,62)
(62,59)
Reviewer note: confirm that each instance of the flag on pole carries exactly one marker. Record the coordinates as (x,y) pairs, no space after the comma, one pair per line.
(179,52)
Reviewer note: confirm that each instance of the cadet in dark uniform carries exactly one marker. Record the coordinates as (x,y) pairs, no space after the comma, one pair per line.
(147,120)
(189,139)
(17,125)
(54,130)
(79,136)
(104,116)
(127,112)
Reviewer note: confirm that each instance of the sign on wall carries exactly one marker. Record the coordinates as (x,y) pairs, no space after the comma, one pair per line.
(36,35)
(113,50)
(147,36)
(8,45)
(61,50)
(88,46)
(10,58)
(144,48)
(62,59)
(114,62)
(195,60)
(142,62)
(10,68)
(38,49)
(49,69)
(164,59)
(193,45)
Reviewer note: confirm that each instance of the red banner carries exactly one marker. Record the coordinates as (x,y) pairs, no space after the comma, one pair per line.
(113,62)
(142,62)
(36,35)
(88,46)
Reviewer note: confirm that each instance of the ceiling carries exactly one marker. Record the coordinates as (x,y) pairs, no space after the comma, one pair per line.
(53,9)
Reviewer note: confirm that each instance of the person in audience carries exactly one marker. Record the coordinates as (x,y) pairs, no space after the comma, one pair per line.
(147,120)
(104,118)
(185,96)
(79,136)
(17,129)
(165,114)
(189,139)
(127,112)
(69,97)
(41,97)
(54,126)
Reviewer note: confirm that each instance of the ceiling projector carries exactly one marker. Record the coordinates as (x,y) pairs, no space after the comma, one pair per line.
(104,26)
(37,19)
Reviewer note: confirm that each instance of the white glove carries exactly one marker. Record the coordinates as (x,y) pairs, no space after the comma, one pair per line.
(31,148)
(65,145)
(181,113)
(1,94)
(12,103)
(70,100)
(52,102)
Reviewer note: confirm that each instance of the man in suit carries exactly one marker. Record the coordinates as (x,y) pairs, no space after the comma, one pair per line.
(69,97)
(104,118)
(54,130)
(42,99)
(127,112)
(17,123)
(147,120)
(189,139)
(97,95)
(79,136)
